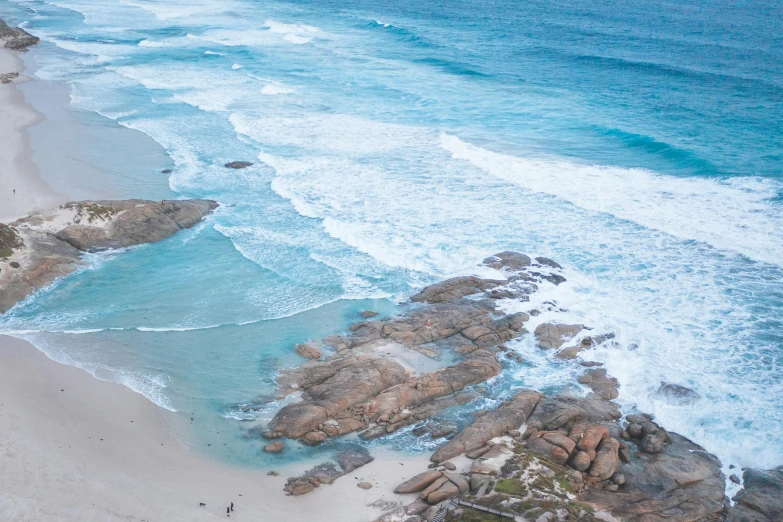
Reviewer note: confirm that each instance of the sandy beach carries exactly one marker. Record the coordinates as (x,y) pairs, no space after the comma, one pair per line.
(76,448)
(21,188)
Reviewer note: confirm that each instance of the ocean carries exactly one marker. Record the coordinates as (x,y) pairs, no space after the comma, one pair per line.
(639,144)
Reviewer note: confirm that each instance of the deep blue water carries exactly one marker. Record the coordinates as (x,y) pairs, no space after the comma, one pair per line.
(638,143)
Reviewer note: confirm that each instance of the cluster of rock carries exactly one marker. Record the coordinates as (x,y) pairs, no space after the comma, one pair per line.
(36,250)
(16,39)
(560,457)
(360,388)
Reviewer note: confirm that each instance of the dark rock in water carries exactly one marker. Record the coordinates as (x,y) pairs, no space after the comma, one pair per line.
(508,416)
(508,260)
(166,171)
(761,499)
(16,39)
(455,288)
(677,394)
(132,222)
(547,262)
(602,385)
(556,335)
(441,430)
(367,314)
(353,458)
(308,351)
(239,164)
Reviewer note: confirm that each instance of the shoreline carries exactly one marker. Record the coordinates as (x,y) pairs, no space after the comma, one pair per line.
(22,190)
(98,451)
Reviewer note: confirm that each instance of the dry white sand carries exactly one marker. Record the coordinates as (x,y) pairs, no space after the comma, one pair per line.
(17,170)
(76,448)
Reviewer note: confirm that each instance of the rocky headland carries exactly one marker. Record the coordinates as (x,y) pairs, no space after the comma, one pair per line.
(16,39)
(568,456)
(36,250)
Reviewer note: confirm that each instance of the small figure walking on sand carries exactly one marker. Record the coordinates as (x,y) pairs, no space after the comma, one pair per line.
(228,512)
(232,506)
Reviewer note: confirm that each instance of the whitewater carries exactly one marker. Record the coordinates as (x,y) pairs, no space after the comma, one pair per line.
(398,144)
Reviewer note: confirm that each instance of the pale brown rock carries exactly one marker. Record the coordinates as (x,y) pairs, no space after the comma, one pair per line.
(275,447)
(558,439)
(462,482)
(602,385)
(308,351)
(509,415)
(419,482)
(607,461)
(551,335)
(581,461)
(364,485)
(446,491)
(592,437)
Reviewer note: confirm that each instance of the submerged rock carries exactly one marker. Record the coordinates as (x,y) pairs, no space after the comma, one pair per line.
(238,164)
(677,394)
(275,447)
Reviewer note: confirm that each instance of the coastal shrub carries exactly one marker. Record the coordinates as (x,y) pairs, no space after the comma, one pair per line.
(91,211)
(9,240)
(510,487)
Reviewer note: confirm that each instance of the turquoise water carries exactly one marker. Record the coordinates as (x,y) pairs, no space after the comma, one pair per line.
(397,143)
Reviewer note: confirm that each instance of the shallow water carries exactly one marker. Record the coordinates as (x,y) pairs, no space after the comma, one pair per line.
(397,143)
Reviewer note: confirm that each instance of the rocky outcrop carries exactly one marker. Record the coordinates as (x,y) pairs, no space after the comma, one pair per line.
(761,499)
(556,335)
(508,416)
(359,384)
(348,460)
(104,225)
(682,482)
(6,78)
(602,385)
(36,250)
(16,39)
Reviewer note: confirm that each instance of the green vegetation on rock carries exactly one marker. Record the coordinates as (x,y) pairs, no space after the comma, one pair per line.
(510,487)
(91,211)
(9,241)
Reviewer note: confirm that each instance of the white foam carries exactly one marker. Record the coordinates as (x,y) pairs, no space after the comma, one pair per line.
(272,90)
(149,385)
(734,214)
